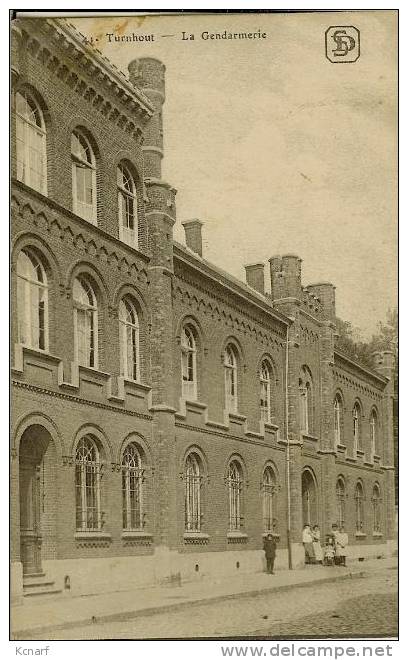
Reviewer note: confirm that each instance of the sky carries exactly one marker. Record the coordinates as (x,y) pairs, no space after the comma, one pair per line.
(276,149)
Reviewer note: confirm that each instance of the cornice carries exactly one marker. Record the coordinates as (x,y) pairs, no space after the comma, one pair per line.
(354,367)
(76,399)
(230,284)
(102,85)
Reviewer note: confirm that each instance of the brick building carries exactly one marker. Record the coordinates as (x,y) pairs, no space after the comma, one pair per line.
(164,414)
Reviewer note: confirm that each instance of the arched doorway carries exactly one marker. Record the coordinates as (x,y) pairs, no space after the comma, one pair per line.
(309,498)
(37,484)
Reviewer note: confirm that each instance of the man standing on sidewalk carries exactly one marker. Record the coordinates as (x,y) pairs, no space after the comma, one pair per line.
(270,552)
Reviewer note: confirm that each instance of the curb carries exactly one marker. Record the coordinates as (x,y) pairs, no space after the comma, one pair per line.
(158,609)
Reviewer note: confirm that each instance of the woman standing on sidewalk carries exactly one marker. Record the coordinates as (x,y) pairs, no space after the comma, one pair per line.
(307,540)
(317,548)
(341,546)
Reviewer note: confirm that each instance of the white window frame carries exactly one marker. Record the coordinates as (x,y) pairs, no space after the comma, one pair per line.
(85,468)
(124,326)
(265,397)
(373,433)
(337,420)
(359,506)
(231,379)
(192,494)
(268,497)
(86,211)
(376,509)
(132,473)
(341,502)
(23,150)
(188,352)
(80,306)
(357,435)
(235,487)
(128,236)
(24,309)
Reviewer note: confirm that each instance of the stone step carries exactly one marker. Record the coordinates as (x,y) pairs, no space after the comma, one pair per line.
(34,584)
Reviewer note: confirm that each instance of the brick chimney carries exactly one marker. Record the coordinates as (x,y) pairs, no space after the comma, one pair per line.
(194,240)
(255,277)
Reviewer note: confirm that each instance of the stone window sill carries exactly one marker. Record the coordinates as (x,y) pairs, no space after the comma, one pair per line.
(308,436)
(92,535)
(377,535)
(195,537)
(237,536)
(360,535)
(136,534)
(341,447)
(360,452)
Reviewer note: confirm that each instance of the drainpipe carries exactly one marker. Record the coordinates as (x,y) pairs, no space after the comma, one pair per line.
(288,508)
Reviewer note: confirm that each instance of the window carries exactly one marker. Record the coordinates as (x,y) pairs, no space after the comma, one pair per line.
(192,502)
(31,144)
(338,420)
(129,340)
(357,438)
(87,486)
(359,497)
(235,496)
(376,510)
(265,383)
(83,177)
(306,402)
(32,301)
(231,377)
(188,364)
(85,323)
(127,207)
(374,433)
(132,488)
(268,498)
(341,502)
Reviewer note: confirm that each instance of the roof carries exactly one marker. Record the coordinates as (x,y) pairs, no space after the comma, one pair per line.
(230,282)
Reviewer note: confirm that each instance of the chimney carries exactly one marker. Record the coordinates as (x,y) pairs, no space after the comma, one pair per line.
(286,276)
(325,291)
(194,241)
(255,277)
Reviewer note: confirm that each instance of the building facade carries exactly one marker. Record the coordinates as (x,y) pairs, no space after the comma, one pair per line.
(165,415)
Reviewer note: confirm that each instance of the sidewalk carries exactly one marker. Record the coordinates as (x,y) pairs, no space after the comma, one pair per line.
(66,612)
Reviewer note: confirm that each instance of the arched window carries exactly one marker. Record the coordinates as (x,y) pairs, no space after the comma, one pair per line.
(359,501)
(129,340)
(132,488)
(31,143)
(235,483)
(83,177)
(357,436)
(268,498)
(32,301)
(127,207)
(341,502)
(231,379)
(192,499)
(338,420)
(85,323)
(306,402)
(265,385)
(87,485)
(374,433)
(376,510)
(188,364)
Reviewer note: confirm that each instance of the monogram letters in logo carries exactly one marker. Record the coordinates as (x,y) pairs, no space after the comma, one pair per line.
(342,44)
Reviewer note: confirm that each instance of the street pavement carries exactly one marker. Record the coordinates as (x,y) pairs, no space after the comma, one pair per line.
(355,607)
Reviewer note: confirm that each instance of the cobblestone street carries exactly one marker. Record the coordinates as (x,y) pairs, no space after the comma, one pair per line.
(358,607)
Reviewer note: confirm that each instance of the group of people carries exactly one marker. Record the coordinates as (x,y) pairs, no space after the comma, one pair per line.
(334,551)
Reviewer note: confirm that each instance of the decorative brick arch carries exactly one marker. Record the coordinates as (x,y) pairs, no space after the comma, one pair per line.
(38,419)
